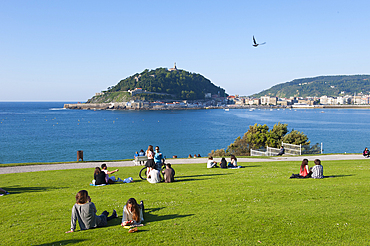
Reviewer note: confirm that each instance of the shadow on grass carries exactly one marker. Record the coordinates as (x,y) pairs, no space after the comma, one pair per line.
(114,222)
(17,189)
(251,166)
(149,217)
(193,177)
(338,176)
(62,242)
(202,175)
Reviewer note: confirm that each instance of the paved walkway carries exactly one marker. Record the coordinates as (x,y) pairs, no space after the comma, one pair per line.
(36,168)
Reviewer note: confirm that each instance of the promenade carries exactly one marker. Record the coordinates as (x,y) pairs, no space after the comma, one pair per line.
(79,165)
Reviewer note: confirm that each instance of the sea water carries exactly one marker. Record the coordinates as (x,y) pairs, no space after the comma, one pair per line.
(45,132)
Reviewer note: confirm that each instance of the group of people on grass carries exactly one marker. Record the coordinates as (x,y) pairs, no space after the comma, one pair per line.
(154,166)
(84,212)
(223,163)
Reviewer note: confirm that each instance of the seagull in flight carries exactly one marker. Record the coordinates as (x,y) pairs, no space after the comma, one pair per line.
(255,44)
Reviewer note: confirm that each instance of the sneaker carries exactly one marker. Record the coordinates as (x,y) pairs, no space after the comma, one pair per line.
(114,214)
(7,193)
(2,194)
(142,206)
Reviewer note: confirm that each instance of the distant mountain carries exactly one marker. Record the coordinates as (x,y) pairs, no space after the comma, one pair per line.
(320,86)
(163,84)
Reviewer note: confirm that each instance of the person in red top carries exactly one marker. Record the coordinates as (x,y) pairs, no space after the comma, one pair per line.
(305,171)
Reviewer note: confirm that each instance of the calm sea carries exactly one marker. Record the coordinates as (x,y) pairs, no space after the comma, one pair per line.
(45,132)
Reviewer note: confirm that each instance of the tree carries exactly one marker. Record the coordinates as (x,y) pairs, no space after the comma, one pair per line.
(254,138)
(276,135)
(259,136)
(296,137)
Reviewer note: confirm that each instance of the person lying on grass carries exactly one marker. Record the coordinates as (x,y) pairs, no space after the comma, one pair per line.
(85,212)
(132,212)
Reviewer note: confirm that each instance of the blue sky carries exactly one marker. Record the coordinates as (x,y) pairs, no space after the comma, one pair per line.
(69,50)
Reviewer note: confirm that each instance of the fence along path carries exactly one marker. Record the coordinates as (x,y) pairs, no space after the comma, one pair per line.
(290,149)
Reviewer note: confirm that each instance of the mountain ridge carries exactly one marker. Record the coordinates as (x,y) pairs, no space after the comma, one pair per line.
(331,85)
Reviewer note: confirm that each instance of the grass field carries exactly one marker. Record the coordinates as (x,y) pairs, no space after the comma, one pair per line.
(255,205)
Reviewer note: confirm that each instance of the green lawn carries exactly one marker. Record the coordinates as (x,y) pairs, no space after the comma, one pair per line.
(255,205)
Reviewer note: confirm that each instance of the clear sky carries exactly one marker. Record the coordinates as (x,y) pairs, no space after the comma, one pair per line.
(66,50)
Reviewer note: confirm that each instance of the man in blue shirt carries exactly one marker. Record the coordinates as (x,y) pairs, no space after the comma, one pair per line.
(158,157)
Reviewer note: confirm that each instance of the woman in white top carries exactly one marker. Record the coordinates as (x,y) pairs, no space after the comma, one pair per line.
(150,164)
(132,212)
(234,161)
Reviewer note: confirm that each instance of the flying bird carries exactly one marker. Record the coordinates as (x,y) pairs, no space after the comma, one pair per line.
(255,44)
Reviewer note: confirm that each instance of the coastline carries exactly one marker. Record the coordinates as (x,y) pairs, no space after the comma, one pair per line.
(122,106)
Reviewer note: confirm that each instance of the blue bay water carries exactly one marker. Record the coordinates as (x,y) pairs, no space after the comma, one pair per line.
(45,132)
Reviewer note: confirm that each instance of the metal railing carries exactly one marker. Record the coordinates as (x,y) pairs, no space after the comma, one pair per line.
(290,149)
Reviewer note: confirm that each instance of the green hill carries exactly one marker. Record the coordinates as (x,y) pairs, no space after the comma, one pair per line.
(162,83)
(320,86)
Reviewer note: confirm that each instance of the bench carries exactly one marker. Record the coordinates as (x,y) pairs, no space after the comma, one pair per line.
(138,159)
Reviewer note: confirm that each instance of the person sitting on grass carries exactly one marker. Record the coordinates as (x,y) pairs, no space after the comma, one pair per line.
(234,161)
(99,176)
(317,170)
(109,180)
(366,152)
(84,211)
(132,213)
(154,176)
(211,163)
(168,174)
(223,163)
(3,192)
(304,170)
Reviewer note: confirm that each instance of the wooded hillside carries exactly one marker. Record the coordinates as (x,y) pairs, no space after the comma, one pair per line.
(179,83)
(320,86)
